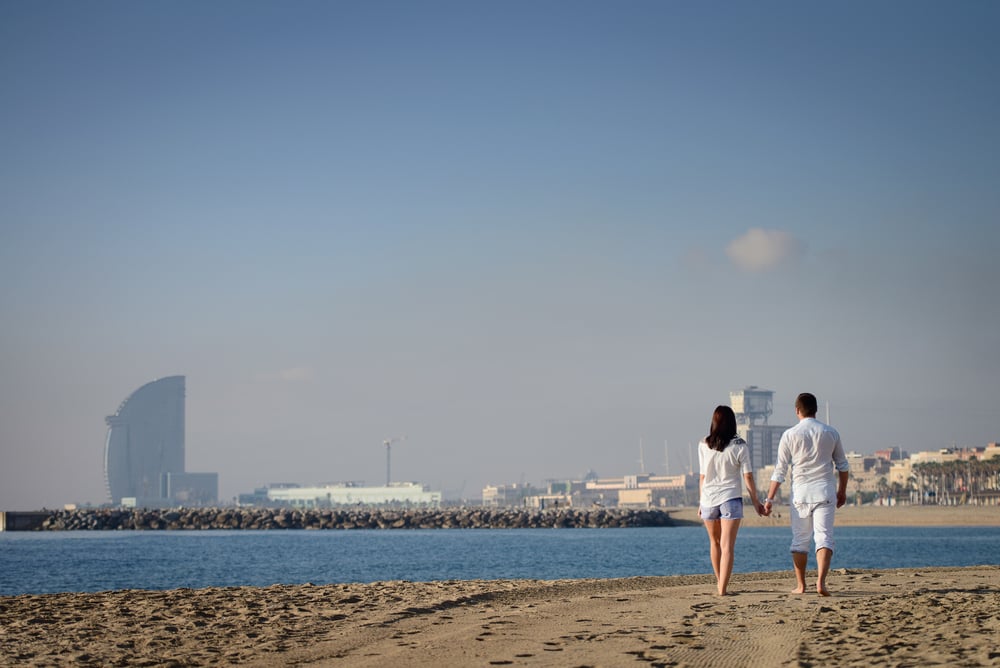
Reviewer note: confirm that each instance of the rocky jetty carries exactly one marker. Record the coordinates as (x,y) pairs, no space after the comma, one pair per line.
(106,519)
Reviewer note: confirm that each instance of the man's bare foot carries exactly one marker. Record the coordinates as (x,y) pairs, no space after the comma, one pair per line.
(822,591)
(798,590)
(726,593)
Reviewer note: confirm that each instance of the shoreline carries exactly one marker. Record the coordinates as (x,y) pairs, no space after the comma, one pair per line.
(875,617)
(873,516)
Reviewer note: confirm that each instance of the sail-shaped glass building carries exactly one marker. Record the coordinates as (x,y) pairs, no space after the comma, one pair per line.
(145,443)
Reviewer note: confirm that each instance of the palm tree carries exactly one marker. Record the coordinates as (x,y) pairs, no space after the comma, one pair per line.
(986,476)
(896,490)
(930,480)
(883,487)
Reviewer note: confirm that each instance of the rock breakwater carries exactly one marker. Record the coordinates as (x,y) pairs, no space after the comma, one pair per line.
(357,518)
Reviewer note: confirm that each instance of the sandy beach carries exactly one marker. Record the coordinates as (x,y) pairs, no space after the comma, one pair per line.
(905,617)
(851,515)
(935,616)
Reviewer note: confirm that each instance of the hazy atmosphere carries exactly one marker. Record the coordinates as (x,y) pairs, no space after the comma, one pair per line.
(524,235)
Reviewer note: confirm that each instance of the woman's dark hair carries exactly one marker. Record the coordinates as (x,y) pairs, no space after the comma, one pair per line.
(723,429)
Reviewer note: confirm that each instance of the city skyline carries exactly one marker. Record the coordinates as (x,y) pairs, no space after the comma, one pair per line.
(523,235)
(645,463)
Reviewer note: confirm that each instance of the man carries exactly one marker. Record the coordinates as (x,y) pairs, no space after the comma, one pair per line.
(813,451)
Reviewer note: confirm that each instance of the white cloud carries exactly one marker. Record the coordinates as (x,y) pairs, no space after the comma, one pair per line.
(762,250)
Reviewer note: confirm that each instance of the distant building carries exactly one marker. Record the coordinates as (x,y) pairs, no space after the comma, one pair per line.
(331,495)
(901,478)
(763,440)
(144,451)
(644,490)
(498,496)
(893,454)
(956,454)
(753,406)
(869,474)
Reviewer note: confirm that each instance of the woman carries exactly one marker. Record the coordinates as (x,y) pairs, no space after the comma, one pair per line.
(722,457)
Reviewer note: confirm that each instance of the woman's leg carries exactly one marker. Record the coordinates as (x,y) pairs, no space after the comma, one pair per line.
(727,547)
(714,534)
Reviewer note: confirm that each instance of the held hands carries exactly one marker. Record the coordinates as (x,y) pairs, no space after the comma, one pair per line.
(762,509)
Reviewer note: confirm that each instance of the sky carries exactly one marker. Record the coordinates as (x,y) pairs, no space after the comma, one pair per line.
(535,238)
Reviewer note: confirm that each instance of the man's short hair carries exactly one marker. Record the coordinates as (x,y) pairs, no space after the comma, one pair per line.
(805,404)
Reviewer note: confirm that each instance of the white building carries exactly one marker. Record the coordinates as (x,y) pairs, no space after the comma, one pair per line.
(344,494)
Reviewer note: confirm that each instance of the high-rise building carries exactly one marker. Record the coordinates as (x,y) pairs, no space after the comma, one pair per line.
(752,407)
(144,450)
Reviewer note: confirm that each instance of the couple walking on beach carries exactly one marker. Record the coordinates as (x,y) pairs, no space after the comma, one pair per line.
(812,451)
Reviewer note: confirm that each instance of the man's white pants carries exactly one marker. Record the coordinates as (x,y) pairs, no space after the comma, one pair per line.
(812,520)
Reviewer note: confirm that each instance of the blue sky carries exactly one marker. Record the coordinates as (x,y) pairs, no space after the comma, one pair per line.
(525,235)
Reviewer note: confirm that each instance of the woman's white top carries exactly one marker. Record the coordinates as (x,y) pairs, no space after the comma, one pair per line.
(723,471)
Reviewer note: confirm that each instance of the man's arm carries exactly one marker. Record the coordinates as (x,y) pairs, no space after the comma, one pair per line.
(842,477)
(768,504)
(843,471)
(784,458)
(780,467)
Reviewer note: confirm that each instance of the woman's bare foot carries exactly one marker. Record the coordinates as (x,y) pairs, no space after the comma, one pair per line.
(822,591)
(798,590)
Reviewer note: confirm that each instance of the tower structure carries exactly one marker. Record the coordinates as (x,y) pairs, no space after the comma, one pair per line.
(753,406)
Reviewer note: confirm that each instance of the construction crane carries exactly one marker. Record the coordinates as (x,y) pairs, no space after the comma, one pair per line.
(388,452)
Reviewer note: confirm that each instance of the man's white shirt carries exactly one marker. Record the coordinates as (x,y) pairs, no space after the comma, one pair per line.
(812,450)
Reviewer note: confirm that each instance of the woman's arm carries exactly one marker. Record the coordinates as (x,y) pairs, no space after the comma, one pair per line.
(752,488)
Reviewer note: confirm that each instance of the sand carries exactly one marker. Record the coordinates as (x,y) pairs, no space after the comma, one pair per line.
(851,515)
(911,617)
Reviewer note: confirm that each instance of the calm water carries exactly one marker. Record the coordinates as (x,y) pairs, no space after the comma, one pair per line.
(96,561)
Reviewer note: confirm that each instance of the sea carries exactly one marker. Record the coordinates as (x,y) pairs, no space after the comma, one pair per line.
(89,561)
